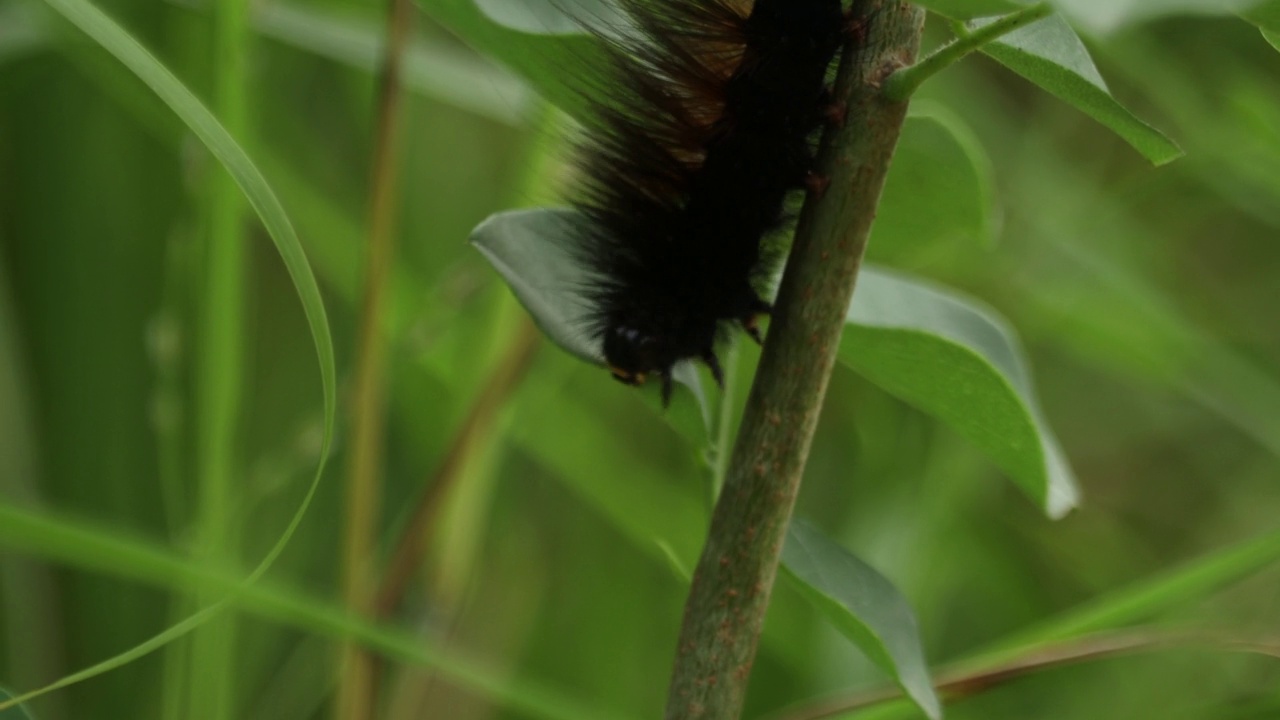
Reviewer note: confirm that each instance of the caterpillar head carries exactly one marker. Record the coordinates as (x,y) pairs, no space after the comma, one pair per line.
(633,354)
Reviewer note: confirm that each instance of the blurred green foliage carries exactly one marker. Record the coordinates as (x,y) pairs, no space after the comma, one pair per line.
(1146,298)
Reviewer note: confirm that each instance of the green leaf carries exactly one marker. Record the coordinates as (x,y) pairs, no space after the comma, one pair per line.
(958,361)
(553,17)
(1105,16)
(17,712)
(863,605)
(532,251)
(22,31)
(541,59)
(1265,15)
(941,186)
(1051,55)
(970,9)
(202,123)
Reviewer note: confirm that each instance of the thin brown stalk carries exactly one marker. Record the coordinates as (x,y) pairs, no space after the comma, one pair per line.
(356,685)
(406,557)
(960,683)
(735,575)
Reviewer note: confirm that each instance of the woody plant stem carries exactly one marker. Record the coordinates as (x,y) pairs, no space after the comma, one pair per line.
(730,593)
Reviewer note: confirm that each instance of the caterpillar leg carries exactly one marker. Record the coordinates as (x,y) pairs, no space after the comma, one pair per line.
(833,111)
(751,323)
(817,183)
(626,377)
(855,25)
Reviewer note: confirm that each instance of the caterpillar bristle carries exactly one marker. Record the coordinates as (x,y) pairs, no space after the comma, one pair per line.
(704,129)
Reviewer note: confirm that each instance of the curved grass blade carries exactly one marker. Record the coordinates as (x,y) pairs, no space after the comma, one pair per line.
(119,43)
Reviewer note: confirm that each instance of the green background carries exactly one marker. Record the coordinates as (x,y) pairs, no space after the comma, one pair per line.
(1146,299)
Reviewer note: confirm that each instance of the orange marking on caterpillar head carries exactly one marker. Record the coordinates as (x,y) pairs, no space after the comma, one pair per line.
(627,377)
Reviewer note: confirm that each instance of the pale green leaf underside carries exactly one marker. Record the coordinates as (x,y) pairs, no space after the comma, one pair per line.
(956,360)
(864,606)
(1051,55)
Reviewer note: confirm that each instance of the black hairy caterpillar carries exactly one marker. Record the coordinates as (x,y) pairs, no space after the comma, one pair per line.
(704,132)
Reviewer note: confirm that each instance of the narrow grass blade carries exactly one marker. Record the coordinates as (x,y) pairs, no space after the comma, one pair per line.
(84,546)
(1149,597)
(14,712)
